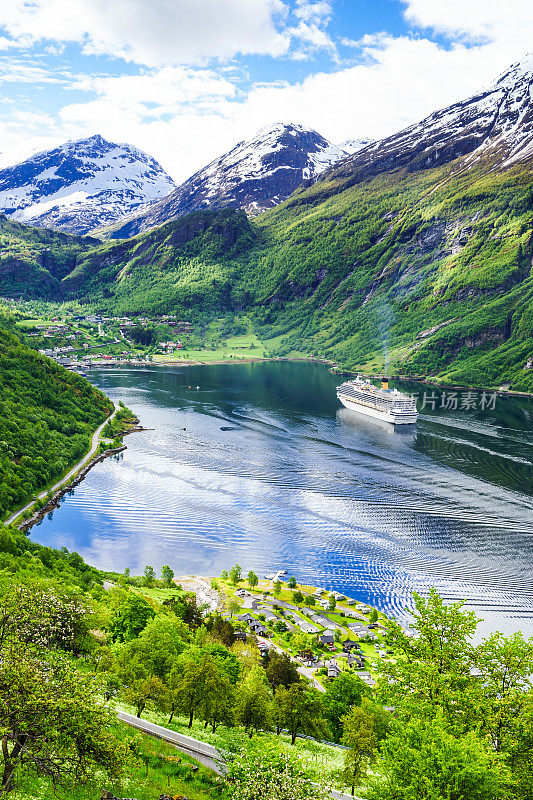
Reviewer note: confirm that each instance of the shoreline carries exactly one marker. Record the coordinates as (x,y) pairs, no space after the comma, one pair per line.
(72,478)
(327,362)
(53,503)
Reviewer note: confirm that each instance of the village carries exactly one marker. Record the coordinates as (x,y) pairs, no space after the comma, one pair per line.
(326,632)
(80,340)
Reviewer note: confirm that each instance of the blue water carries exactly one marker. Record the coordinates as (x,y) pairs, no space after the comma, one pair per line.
(261,466)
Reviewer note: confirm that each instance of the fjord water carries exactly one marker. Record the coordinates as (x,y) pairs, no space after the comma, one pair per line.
(260,465)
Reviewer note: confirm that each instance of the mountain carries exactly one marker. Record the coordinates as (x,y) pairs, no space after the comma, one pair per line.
(354,145)
(496,124)
(33,261)
(414,254)
(255,175)
(81,185)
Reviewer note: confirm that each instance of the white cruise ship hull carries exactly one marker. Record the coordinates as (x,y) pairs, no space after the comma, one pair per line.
(385,415)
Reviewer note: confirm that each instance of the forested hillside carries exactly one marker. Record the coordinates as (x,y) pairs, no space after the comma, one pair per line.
(47,415)
(74,648)
(426,273)
(34,260)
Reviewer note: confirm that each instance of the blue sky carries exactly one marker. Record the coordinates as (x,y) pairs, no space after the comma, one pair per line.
(186,79)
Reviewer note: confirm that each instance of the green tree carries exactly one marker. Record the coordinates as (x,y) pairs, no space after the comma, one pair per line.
(421,760)
(359,736)
(51,721)
(254,702)
(234,607)
(346,691)
(253,580)
(332,603)
(298,597)
(235,574)
(373,616)
(505,666)
(141,690)
(130,617)
(291,583)
(167,575)
(299,709)
(281,670)
(433,670)
(277,588)
(149,576)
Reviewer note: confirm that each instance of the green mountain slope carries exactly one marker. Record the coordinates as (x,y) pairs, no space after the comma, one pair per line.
(47,415)
(34,260)
(425,273)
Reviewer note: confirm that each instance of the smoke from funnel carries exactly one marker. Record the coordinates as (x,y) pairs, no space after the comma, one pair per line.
(385,316)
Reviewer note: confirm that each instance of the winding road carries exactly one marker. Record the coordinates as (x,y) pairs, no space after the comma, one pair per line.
(75,469)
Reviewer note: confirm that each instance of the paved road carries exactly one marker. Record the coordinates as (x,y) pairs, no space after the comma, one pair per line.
(206,754)
(70,474)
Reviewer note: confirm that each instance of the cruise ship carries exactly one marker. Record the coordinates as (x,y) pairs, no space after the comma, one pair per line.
(388,405)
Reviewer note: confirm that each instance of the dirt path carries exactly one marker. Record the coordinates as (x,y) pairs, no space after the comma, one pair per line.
(202,589)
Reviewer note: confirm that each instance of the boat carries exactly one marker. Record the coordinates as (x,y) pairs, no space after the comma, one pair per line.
(387,405)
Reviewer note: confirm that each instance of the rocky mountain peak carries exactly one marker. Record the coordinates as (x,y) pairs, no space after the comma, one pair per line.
(255,175)
(496,123)
(81,185)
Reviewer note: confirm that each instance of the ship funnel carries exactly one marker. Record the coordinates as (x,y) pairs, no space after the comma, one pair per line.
(385,385)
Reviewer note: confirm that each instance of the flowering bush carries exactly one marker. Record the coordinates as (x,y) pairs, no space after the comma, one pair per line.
(264,771)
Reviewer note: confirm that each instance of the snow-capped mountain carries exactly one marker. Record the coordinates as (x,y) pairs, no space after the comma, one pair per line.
(495,124)
(255,175)
(82,185)
(354,145)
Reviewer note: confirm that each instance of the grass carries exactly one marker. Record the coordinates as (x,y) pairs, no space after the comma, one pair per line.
(160,769)
(322,758)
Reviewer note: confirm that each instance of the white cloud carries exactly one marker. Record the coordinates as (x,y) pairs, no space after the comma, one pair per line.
(151,32)
(487,20)
(185,116)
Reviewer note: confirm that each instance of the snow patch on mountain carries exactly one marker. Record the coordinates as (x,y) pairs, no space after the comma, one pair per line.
(496,124)
(82,185)
(354,145)
(255,175)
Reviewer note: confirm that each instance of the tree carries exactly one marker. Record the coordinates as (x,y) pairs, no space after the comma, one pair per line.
(235,574)
(434,670)
(332,603)
(198,671)
(505,667)
(156,648)
(254,703)
(297,597)
(373,616)
(130,618)
(233,607)
(51,720)
(300,710)
(218,705)
(346,691)
(281,670)
(149,576)
(291,583)
(360,738)
(141,690)
(167,575)
(253,580)
(264,770)
(422,760)
(277,588)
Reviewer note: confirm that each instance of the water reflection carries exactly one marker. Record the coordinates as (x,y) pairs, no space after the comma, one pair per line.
(261,466)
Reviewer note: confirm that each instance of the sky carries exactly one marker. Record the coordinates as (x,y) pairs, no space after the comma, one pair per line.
(185,80)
